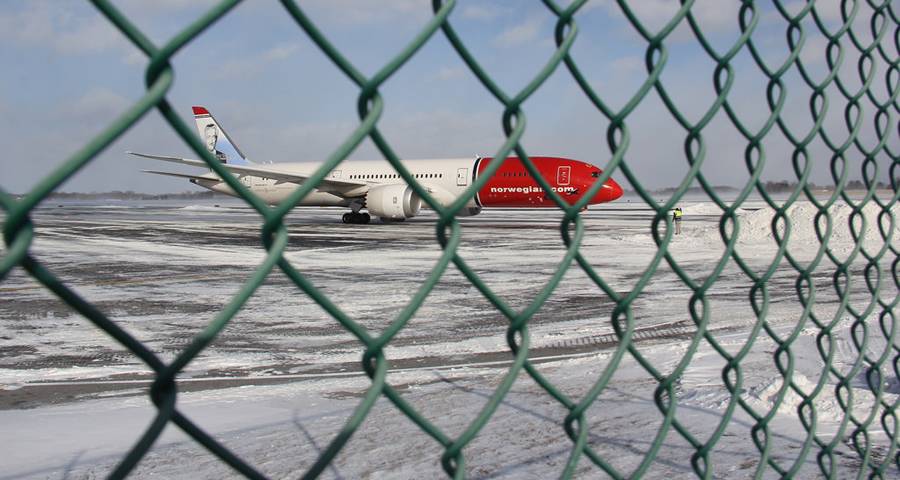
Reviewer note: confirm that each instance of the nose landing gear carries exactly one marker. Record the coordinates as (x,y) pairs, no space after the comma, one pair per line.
(356,217)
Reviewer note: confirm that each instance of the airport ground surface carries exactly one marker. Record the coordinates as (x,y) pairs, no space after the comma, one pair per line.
(163,270)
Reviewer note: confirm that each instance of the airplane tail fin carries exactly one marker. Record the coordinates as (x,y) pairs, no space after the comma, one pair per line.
(217,141)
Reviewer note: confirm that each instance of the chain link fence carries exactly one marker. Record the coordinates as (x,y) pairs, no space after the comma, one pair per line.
(873,40)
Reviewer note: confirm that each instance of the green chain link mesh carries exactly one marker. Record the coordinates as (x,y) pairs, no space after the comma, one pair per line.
(876,63)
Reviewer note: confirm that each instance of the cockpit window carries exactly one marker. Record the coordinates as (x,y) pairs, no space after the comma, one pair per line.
(595,174)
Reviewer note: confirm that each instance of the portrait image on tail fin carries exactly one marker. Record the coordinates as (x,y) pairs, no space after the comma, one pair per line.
(216,138)
(212,136)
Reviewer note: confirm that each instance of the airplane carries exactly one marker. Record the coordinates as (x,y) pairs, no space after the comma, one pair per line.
(377,187)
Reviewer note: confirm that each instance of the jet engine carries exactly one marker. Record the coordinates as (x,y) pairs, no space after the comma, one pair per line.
(445,198)
(393,202)
(468,211)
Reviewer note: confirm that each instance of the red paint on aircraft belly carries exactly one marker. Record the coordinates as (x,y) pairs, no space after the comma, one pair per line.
(512,186)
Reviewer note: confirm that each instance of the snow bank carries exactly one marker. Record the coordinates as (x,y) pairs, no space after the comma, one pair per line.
(204,208)
(756,227)
(765,396)
(704,208)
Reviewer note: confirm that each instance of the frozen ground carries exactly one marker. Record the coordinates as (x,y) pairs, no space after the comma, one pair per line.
(283,377)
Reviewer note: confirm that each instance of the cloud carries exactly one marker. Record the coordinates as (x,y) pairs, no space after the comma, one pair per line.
(831,11)
(627,65)
(135,57)
(354,12)
(82,116)
(98,102)
(711,15)
(715,15)
(432,133)
(450,73)
(481,12)
(520,34)
(163,7)
(32,25)
(249,67)
(92,36)
(828,10)
(814,50)
(280,52)
(61,28)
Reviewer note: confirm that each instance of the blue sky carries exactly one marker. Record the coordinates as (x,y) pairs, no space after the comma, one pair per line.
(282,100)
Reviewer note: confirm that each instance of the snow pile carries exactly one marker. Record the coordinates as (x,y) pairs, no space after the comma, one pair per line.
(756,228)
(203,208)
(705,208)
(764,397)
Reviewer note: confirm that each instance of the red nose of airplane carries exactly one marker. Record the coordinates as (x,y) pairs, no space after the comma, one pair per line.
(615,190)
(610,191)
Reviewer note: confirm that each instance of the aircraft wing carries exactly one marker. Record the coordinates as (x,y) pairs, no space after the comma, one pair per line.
(331,185)
(183,175)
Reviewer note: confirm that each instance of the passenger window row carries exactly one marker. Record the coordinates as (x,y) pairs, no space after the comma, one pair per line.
(395,175)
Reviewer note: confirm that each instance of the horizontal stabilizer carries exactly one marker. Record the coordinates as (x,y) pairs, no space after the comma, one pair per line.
(272,171)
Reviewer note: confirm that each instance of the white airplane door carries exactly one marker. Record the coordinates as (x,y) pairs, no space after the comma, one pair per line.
(462,177)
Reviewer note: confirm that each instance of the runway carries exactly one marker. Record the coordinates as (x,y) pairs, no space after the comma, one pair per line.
(163,270)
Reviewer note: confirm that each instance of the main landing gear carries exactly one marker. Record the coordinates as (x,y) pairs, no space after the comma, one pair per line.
(356,217)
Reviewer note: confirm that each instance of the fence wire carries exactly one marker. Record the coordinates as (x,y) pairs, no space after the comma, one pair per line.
(877,64)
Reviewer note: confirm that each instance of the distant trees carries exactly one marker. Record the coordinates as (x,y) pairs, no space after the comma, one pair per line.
(782,186)
(785,186)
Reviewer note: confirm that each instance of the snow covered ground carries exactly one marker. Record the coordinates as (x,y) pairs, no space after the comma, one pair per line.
(283,378)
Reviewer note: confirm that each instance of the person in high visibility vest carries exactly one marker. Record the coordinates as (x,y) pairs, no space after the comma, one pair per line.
(676,218)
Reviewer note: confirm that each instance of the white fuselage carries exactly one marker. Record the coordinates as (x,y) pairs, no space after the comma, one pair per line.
(445,179)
